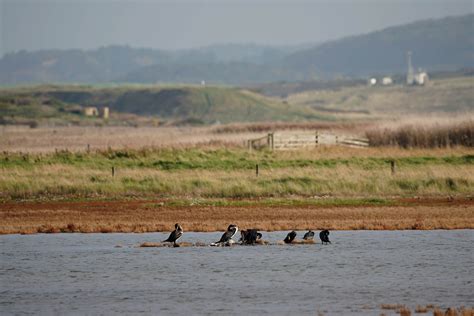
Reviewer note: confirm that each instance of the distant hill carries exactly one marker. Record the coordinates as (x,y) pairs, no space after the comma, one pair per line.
(437,45)
(441,44)
(123,63)
(101,65)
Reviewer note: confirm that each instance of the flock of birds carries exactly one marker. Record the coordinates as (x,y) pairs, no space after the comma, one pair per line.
(247,237)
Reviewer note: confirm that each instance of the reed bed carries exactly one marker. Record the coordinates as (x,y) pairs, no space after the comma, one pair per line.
(424,136)
(263,127)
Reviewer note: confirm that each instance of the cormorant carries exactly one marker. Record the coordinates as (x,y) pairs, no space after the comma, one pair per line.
(324,236)
(309,235)
(290,237)
(175,234)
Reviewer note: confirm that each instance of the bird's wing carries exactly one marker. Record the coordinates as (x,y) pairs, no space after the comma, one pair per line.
(172,236)
(226,236)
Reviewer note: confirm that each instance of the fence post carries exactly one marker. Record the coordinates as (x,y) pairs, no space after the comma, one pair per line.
(113,171)
(392,166)
(88,148)
(317,138)
(270,140)
(256,170)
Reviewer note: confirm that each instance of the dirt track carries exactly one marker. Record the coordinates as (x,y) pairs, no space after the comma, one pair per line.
(148,216)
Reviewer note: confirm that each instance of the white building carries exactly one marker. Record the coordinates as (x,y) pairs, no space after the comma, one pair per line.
(387,81)
(372,81)
(421,78)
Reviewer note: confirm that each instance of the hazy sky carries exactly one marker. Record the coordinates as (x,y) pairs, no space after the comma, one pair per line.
(44,24)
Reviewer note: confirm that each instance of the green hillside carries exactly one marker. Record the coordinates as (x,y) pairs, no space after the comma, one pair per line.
(173,104)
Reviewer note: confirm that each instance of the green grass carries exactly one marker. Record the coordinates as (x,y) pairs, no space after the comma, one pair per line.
(213,159)
(230,173)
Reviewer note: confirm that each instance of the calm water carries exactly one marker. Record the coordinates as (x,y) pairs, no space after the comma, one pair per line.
(87,274)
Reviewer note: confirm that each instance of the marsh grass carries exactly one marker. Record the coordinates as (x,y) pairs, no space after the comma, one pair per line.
(230,173)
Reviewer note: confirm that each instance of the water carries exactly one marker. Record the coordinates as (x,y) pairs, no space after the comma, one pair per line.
(88,274)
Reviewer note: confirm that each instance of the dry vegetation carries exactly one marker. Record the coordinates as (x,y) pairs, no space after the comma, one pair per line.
(407,132)
(264,127)
(151,216)
(425,136)
(43,140)
(436,311)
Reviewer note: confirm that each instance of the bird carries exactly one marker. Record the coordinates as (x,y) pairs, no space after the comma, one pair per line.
(175,234)
(324,236)
(290,237)
(309,235)
(249,236)
(226,238)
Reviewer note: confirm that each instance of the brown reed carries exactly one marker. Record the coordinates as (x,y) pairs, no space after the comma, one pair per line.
(424,136)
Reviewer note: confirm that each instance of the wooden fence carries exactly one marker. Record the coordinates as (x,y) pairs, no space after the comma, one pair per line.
(295,140)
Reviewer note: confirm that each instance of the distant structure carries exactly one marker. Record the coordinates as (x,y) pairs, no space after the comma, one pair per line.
(372,81)
(91,111)
(105,112)
(410,72)
(386,81)
(419,78)
(203,83)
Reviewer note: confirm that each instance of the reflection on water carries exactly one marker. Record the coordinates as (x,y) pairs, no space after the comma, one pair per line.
(79,273)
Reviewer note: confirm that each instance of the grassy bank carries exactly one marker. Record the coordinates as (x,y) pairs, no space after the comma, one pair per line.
(230,173)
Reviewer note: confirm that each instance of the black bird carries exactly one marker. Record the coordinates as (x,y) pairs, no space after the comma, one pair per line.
(175,234)
(324,236)
(227,236)
(309,235)
(249,236)
(290,237)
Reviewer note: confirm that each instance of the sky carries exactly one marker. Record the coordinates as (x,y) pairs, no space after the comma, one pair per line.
(89,24)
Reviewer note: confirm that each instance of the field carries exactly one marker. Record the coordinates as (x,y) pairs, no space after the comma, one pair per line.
(210,181)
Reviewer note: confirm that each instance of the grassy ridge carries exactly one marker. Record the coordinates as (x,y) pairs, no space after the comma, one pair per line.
(230,173)
(192,104)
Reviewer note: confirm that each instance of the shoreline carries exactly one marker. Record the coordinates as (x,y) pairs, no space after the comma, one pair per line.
(142,216)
